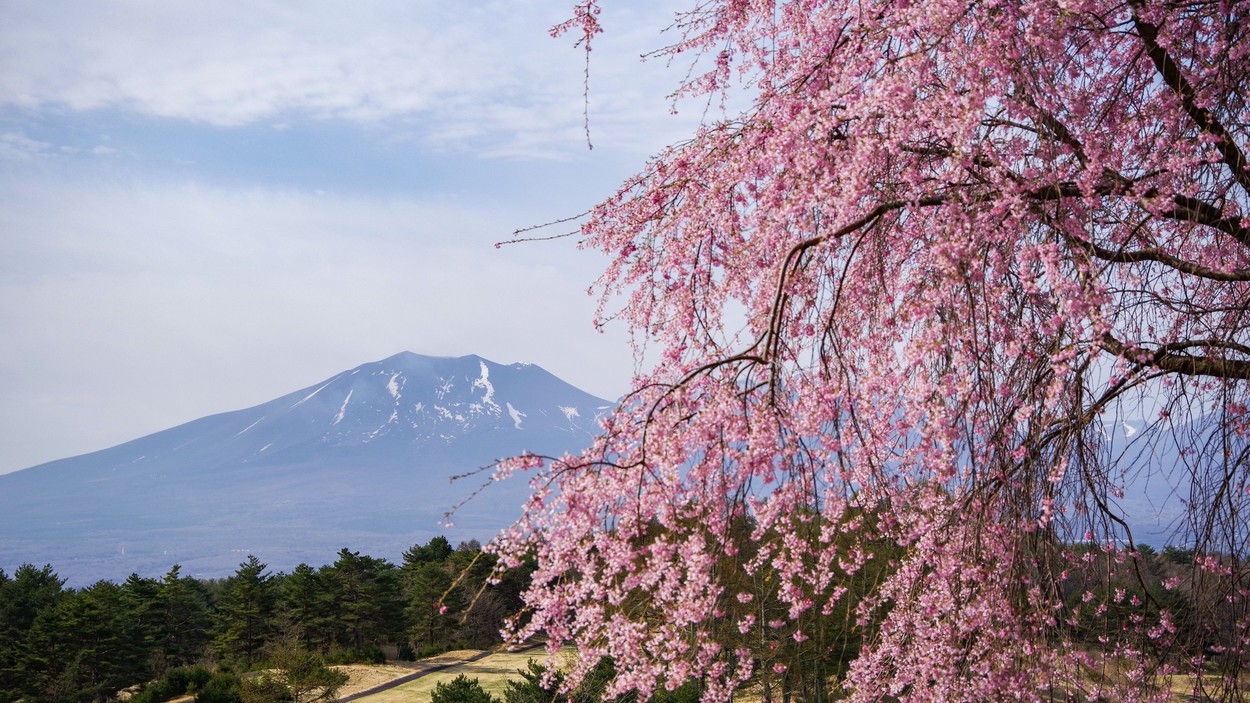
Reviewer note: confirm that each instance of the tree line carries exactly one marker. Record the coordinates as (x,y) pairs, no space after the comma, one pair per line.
(73,645)
(167,637)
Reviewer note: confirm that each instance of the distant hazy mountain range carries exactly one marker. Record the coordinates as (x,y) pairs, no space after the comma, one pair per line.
(362,460)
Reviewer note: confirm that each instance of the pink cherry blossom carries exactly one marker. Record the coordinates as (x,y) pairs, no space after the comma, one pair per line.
(887,315)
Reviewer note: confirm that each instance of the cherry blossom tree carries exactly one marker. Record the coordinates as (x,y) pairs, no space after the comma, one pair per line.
(892,309)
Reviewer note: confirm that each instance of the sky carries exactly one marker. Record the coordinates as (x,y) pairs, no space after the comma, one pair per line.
(204,206)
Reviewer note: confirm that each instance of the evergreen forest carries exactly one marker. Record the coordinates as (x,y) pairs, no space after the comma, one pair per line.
(160,638)
(157,639)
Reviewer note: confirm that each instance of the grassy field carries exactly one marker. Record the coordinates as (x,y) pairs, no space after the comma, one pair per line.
(493,671)
(496,670)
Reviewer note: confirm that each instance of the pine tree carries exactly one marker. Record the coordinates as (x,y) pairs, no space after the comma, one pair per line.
(184,618)
(307,605)
(367,599)
(245,613)
(29,592)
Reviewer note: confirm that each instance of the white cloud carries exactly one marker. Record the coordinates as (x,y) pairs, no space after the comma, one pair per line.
(15,146)
(466,74)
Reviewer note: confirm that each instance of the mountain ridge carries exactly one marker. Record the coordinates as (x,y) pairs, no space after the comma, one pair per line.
(361,459)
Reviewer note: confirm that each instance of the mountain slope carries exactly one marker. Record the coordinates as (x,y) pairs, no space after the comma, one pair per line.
(362,460)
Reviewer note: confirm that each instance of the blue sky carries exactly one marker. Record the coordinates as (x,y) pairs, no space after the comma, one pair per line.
(206,205)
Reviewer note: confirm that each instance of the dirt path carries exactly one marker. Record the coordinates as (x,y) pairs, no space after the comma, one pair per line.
(368,680)
(493,669)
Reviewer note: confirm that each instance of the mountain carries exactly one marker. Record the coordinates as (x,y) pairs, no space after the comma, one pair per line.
(361,460)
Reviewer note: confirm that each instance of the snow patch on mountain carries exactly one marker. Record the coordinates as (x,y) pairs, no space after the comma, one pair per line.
(447,414)
(516,415)
(245,429)
(343,410)
(488,399)
(308,397)
(569,412)
(392,386)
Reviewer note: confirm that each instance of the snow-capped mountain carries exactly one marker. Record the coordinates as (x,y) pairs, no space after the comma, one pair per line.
(361,460)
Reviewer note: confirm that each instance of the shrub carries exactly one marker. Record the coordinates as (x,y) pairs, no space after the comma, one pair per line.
(264,689)
(461,689)
(176,682)
(221,688)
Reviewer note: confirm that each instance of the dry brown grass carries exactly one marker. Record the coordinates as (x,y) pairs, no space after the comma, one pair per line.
(362,677)
(1182,687)
(495,670)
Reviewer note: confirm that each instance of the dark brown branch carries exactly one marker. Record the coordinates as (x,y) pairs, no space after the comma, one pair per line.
(1057,129)
(1201,212)
(1230,153)
(1156,255)
(1184,209)
(1168,358)
(1174,357)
